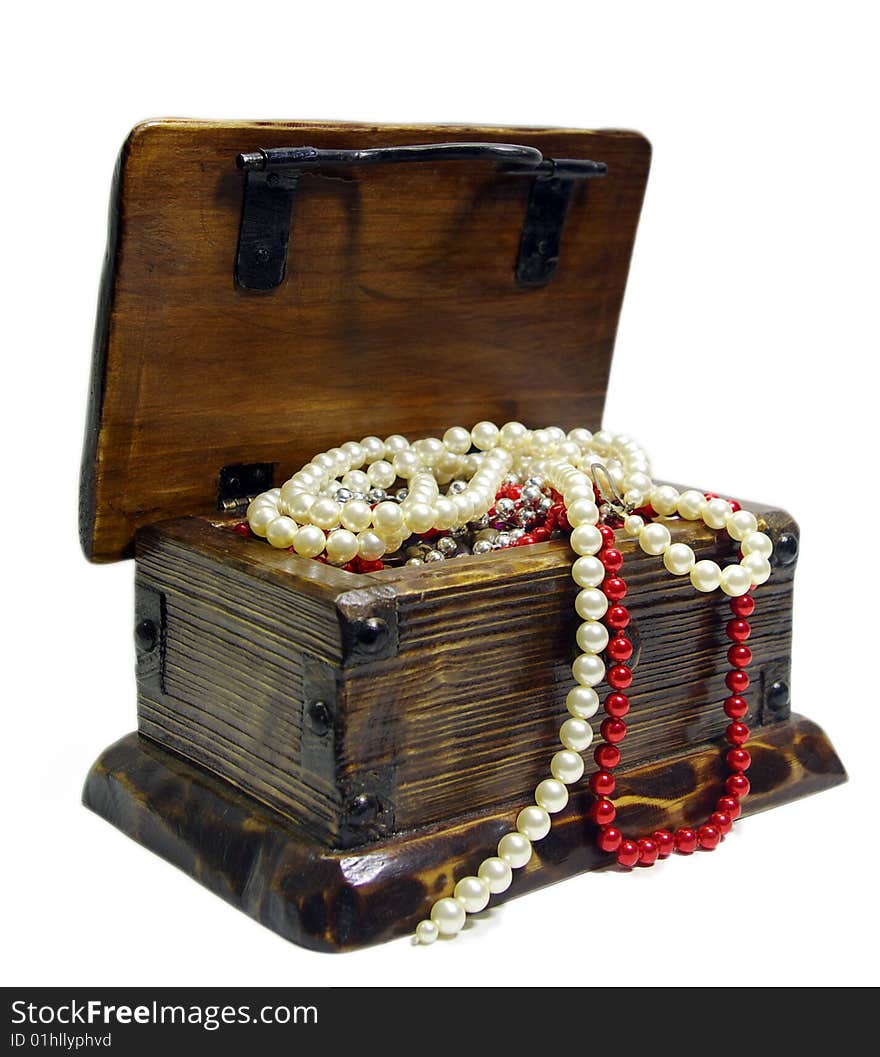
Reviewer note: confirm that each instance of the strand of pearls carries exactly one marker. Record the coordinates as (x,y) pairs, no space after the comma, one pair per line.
(306,514)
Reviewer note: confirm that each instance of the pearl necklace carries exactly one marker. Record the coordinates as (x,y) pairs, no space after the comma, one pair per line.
(325,511)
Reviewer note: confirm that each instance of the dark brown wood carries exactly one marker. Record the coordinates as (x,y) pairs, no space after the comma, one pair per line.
(265,865)
(399,282)
(457,707)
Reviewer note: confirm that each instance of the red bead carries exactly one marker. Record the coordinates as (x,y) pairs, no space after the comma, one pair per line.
(620,677)
(602,812)
(526,540)
(617,705)
(617,617)
(541,533)
(609,838)
(739,656)
(648,851)
(711,495)
(607,757)
(686,841)
(243,529)
(608,536)
(737,681)
(602,784)
(562,521)
(619,648)
(611,558)
(665,843)
(721,821)
(737,733)
(736,707)
(628,853)
(739,760)
(734,506)
(614,588)
(709,837)
(613,730)
(739,630)
(372,567)
(742,606)
(738,785)
(729,805)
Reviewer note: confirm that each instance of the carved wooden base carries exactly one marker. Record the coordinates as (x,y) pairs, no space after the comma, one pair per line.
(340,900)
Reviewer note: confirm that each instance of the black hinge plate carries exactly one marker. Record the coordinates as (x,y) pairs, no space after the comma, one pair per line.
(264,235)
(548,204)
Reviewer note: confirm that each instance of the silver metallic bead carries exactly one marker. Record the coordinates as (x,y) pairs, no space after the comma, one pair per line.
(342,495)
(512,478)
(505,508)
(457,487)
(532,494)
(538,482)
(482,547)
(516,534)
(460,532)
(359,495)
(447,546)
(433,556)
(414,561)
(545,505)
(377,495)
(401,494)
(479,523)
(524,516)
(502,540)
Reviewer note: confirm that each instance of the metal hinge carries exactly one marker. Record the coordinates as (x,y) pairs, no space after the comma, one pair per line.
(272,176)
(242,482)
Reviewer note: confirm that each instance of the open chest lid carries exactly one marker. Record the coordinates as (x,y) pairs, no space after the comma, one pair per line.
(272,289)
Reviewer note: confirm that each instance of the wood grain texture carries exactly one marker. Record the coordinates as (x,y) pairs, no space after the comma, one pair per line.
(399,310)
(266,866)
(460,708)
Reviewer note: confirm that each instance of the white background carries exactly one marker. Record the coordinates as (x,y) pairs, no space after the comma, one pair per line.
(746,359)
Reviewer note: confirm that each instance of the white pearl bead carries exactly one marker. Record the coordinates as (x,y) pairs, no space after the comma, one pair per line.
(706,575)
(309,541)
(371,546)
(356,515)
(457,440)
(472,893)
(381,474)
(741,524)
(654,538)
(588,669)
(448,915)
(445,514)
(588,571)
(281,531)
(419,517)
(691,504)
(394,445)
(735,580)
(582,512)
(633,525)
(664,499)
(325,513)
(387,518)
(513,433)
(406,463)
(592,636)
(373,447)
(757,566)
(754,543)
(567,767)
(342,546)
(586,539)
(300,504)
(485,435)
(427,932)
(576,734)
(590,604)
(496,873)
(716,513)
(679,559)
(582,702)
(515,849)
(551,795)
(261,517)
(356,480)
(533,822)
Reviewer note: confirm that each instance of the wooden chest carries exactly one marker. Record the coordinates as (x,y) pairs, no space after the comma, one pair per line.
(331,750)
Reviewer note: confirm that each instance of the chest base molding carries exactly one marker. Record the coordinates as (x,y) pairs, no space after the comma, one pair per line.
(266,866)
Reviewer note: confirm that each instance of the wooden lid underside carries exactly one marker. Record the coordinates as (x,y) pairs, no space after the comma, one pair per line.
(399,311)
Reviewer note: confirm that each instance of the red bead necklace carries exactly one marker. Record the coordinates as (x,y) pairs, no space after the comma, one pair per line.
(644,851)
